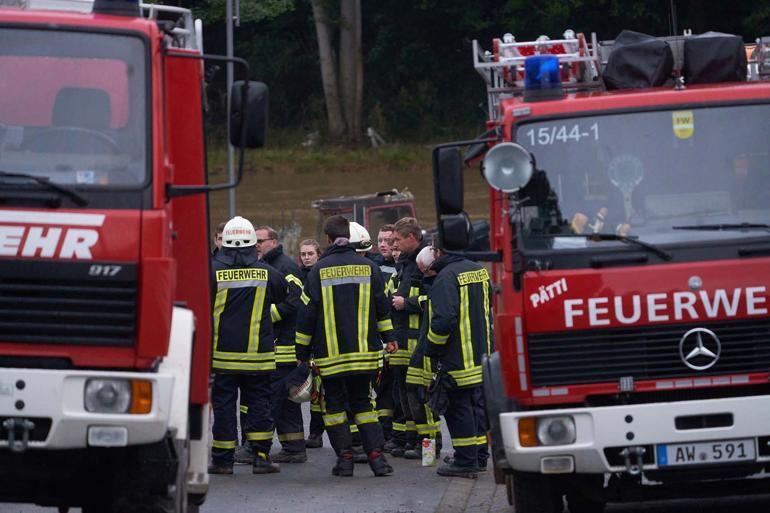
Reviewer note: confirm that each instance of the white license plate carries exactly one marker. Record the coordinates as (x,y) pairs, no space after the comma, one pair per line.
(697,453)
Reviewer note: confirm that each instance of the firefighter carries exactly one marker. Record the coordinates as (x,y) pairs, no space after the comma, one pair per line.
(385,403)
(309,251)
(385,257)
(419,374)
(218,239)
(243,357)
(342,322)
(407,315)
(287,414)
(459,335)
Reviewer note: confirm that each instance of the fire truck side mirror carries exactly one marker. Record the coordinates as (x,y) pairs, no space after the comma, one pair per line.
(455,232)
(454,226)
(448,180)
(255,108)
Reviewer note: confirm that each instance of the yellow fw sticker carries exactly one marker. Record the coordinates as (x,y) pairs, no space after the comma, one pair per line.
(684,123)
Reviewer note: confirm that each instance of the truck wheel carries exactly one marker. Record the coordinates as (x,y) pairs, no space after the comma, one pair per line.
(578,503)
(509,487)
(534,493)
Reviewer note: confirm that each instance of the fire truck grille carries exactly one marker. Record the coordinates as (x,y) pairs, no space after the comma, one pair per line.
(69,303)
(600,356)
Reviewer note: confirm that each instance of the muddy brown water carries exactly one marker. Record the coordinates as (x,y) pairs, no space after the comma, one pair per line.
(281,198)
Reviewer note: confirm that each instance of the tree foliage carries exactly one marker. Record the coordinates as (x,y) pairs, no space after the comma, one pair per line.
(420,82)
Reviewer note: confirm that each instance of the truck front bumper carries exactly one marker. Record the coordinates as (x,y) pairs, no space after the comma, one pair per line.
(629,426)
(53,400)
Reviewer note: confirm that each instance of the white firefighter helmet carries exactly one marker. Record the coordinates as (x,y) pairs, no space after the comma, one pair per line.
(302,393)
(359,237)
(239,233)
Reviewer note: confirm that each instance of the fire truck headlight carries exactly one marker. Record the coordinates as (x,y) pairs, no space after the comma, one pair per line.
(107,395)
(556,430)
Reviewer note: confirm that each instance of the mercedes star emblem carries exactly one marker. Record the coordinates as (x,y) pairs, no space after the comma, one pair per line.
(700,349)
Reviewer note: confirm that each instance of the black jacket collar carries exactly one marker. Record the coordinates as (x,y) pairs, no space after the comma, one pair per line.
(274,253)
(445,260)
(232,256)
(335,249)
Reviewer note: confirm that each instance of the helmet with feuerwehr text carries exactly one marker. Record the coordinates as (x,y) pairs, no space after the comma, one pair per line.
(239,233)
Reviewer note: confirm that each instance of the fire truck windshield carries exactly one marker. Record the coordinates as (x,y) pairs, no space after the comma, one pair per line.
(73,107)
(645,173)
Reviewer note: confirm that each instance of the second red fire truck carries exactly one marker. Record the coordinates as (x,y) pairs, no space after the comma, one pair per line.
(630,233)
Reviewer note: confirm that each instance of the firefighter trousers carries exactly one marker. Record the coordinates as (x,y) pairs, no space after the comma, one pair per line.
(286,413)
(428,425)
(404,428)
(351,391)
(316,427)
(258,422)
(385,402)
(465,419)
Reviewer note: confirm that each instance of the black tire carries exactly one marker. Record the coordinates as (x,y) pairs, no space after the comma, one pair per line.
(129,499)
(578,503)
(195,499)
(534,493)
(509,487)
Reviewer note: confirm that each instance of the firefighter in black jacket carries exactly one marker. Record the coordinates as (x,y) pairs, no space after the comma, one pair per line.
(341,324)
(420,371)
(460,334)
(243,356)
(286,413)
(385,402)
(407,316)
(309,252)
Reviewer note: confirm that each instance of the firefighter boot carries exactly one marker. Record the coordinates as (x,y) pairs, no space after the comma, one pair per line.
(344,466)
(398,451)
(263,465)
(290,457)
(314,441)
(244,454)
(390,445)
(411,454)
(379,464)
(359,456)
(410,449)
(221,469)
(454,470)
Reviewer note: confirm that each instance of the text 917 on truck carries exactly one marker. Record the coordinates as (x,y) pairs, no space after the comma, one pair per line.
(104,347)
(630,220)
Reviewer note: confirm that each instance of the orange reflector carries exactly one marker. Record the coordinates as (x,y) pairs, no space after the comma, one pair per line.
(141,396)
(528,432)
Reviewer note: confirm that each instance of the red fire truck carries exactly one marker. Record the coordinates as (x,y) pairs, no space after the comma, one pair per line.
(104,263)
(630,234)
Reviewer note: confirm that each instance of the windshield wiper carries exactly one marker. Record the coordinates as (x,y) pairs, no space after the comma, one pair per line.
(78,198)
(627,239)
(718,227)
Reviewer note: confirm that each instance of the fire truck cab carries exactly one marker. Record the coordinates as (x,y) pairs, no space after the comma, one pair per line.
(630,234)
(104,351)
